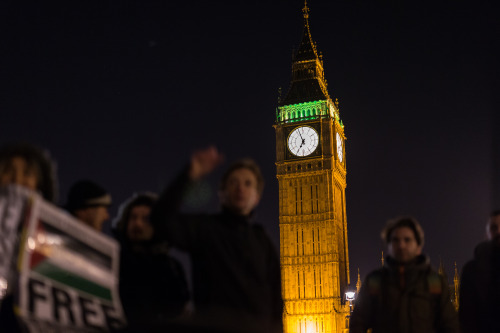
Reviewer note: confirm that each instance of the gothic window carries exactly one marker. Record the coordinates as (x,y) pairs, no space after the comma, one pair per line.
(297,241)
(296,200)
(303,242)
(317,199)
(315,285)
(313,242)
(319,243)
(304,282)
(320,284)
(312,207)
(298,283)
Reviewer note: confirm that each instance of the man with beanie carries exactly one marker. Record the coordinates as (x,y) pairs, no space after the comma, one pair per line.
(406,295)
(89,203)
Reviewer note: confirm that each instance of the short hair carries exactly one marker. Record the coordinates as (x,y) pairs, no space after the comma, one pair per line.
(246,163)
(493,214)
(137,199)
(403,221)
(37,158)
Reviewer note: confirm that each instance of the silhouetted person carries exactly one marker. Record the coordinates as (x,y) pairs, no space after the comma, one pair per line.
(89,203)
(406,295)
(479,303)
(235,267)
(153,286)
(31,167)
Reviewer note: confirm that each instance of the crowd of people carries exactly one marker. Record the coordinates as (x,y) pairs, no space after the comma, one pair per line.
(235,266)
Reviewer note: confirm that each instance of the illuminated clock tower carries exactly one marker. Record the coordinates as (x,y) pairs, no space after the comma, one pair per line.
(311,170)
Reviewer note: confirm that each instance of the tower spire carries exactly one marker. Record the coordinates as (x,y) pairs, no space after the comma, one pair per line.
(305,10)
(308,78)
(358,283)
(307,49)
(441,267)
(456,285)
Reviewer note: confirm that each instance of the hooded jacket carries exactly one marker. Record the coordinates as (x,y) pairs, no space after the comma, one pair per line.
(404,298)
(480,291)
(153,286)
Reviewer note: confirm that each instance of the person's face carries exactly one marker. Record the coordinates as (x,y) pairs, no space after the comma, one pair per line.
(139,228)
(240,193)
(403,246)
(493,229)
(93,216)
(19,172)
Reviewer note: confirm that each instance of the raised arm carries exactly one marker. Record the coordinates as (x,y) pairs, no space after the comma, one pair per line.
(169,223)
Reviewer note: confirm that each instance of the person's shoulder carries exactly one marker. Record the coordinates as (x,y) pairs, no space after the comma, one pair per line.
(469,267)
(374,280)
(377,273)
(483,250)
(261,231)
(259,228)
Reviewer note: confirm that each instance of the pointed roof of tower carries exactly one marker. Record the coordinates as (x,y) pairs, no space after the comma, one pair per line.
(358,283)
(441,267)
(456,277)
(307,49)
(308,82)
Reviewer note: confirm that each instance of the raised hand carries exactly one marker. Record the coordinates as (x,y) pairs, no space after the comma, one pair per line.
(203,162)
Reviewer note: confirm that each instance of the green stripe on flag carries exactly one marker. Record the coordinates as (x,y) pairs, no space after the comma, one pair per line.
(72,280)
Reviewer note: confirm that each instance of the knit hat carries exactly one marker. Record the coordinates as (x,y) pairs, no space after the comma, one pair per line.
(86,193)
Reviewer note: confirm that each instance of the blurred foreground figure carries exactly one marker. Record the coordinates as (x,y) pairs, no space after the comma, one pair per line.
(153,286)
(28,166)
(480,284)
(89,203)
(235,267)
(406,295)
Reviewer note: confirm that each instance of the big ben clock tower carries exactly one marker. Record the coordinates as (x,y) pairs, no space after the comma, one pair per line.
(311,170)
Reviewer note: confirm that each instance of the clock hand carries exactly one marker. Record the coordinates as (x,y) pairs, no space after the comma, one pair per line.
(302,143)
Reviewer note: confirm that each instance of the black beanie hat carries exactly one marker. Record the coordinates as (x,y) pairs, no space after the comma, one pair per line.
(86,193)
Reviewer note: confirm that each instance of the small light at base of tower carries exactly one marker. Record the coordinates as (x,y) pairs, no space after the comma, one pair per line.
(350,296)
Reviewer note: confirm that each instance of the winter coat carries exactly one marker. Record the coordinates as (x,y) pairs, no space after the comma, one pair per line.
(480,291)
(153,287)
(410,298)
(235,266)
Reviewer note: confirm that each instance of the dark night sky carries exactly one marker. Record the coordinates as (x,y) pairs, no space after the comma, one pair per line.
(122,92)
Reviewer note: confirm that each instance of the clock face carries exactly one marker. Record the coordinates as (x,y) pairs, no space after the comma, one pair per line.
(303,141)
(339,147)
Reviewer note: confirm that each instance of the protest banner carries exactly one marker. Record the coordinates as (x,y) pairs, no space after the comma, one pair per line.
(67,273)
(14,207)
